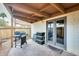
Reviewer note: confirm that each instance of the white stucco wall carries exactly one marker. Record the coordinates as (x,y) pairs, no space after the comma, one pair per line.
(73,33)
(72,30)
(38,27)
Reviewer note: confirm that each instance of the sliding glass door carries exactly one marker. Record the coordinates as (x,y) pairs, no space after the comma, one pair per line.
(56,32)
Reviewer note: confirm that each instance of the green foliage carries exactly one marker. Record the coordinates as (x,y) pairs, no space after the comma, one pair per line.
(3,15)
(2,21)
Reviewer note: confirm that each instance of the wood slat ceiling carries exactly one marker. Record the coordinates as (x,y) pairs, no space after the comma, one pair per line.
(33,12)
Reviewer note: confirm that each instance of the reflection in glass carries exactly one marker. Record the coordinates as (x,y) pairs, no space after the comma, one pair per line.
(50,31)
(60,31)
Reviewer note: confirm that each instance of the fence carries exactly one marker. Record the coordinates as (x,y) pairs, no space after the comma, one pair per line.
(5,33)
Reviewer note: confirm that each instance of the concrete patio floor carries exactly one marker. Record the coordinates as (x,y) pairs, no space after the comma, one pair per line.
(34,49)
(5,48)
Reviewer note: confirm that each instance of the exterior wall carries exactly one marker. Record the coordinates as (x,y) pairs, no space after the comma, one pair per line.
(73,33)
(72,30)
(38,27)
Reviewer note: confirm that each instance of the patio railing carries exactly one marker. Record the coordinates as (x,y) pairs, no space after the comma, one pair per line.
(5,33)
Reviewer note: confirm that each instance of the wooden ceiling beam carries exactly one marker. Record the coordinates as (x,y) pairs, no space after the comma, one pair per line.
(74,8)
(45,7)
(27,9)
(8,8)
(21,14)
(58,6)
(24,19)
(26,15)
(32,19)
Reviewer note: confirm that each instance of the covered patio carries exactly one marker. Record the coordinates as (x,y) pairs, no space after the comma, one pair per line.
(60,19)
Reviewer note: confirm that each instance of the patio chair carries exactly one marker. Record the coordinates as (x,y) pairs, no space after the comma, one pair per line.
(39,37)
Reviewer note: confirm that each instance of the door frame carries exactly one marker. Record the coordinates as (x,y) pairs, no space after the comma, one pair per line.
(65,30)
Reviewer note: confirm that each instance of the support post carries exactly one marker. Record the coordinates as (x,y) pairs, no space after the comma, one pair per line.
(11,28)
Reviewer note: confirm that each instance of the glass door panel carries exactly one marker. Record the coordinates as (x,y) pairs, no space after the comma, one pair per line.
(56,34)
(50,31)
(60,31)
